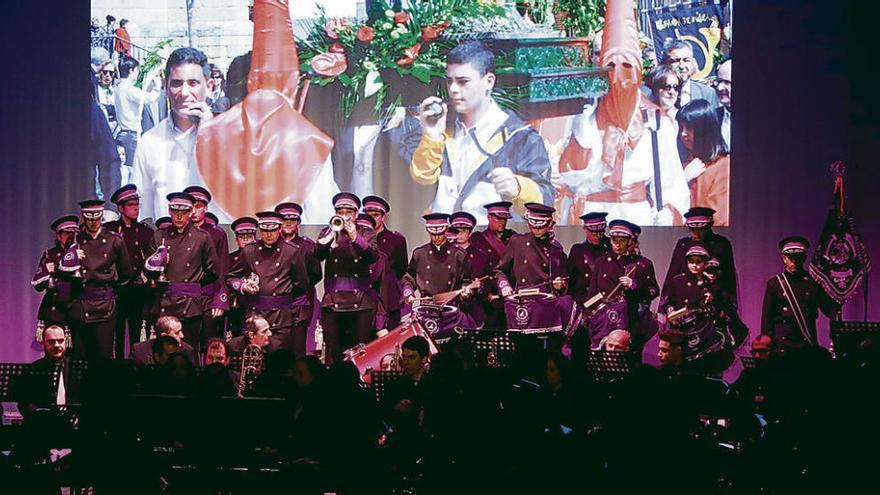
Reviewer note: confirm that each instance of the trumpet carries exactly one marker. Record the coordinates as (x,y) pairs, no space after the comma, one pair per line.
(337,223)
(251,366)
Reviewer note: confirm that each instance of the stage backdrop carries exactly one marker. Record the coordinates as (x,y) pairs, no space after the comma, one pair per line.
(791,123)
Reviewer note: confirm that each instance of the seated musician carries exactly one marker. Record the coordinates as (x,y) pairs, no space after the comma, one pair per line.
(142,352)
(256,332)
(618,340)
(436,270)
(217,352)
(31,391)
(403,397)
(42,425)
(162,347)
(670,351)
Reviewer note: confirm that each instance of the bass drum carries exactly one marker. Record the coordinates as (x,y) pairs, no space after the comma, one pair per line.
(384,352)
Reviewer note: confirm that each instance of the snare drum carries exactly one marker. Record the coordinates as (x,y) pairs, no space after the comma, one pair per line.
(702,337)
(386,349)
(440,320)
(611,315)
(539,313)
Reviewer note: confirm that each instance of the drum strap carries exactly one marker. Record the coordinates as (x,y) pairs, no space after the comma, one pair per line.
(795,307)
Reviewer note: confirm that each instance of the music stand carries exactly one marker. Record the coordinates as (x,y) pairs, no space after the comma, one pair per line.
(9,372)
(605,366)
(379,379)
(491,348)
(847,336)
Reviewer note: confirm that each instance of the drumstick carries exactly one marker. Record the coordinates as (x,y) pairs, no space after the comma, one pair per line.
(595,299)
(444,297)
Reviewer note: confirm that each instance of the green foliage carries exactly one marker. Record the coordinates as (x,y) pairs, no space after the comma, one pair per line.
(150,62)
(581,17)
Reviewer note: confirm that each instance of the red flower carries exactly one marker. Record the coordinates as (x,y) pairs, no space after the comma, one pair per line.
(332,28)
(410,54)
(365,34)
(429,33)
(337,48)
(329,64)
(401,17)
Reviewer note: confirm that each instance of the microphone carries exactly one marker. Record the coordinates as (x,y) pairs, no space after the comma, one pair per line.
(433,110)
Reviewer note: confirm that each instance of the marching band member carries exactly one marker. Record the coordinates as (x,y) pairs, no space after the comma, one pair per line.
(57,291)
(245,230)
(533,260)
(274,275)
(439,267)
(103,266)
(583,255)
(626,281)
(183,261)
(536,261)
(492,243)
(134,297)
(348,307)
(393,246)
(792,301)
(214,294)
(699,222)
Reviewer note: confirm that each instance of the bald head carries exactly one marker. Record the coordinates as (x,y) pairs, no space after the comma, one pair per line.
(617,340)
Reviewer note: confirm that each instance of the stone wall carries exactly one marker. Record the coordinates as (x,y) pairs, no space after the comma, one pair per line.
(220,27)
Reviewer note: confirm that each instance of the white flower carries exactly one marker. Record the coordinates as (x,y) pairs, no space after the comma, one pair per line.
(395,35)
(389,14)
(386,25)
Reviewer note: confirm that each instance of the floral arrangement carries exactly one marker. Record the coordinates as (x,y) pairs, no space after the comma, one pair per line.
(364,57)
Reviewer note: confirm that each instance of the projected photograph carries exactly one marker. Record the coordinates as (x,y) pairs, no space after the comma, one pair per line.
(435,105)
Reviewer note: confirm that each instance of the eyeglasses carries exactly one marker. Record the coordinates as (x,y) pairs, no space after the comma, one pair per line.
(668,87)
(107,72)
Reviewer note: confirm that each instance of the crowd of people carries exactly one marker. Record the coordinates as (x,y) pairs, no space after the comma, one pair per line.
(541,425)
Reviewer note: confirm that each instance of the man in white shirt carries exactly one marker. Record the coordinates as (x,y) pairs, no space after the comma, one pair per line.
(491,155)
(129,101)
(165,159)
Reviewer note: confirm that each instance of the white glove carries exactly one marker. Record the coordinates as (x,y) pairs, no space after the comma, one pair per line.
(327,239)
(505,182)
